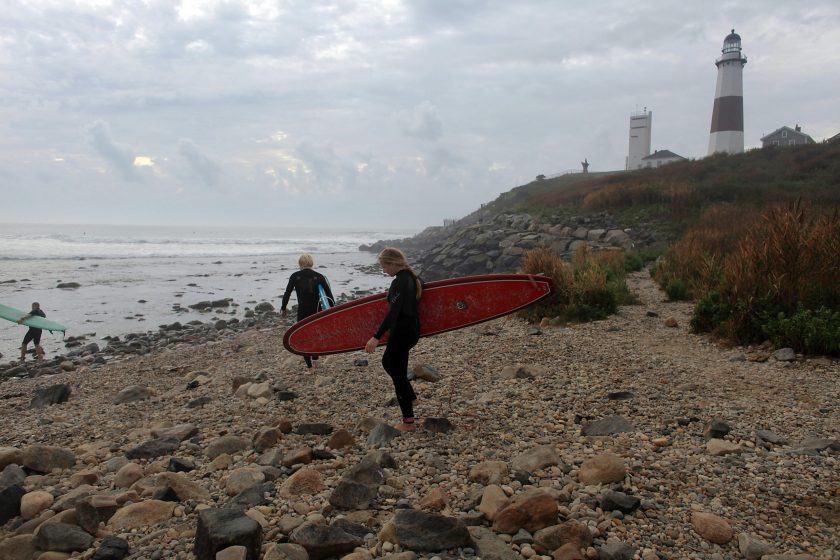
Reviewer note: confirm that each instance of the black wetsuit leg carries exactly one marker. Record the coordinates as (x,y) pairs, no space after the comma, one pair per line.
(32,335)
(395,361)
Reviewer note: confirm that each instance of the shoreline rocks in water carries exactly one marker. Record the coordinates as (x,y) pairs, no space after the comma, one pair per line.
(275,462)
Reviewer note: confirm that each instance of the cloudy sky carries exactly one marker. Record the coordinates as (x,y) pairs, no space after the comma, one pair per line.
(360,112)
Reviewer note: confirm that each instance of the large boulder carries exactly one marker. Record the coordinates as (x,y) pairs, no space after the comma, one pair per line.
(221,528)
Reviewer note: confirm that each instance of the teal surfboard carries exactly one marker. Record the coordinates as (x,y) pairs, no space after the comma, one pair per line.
(322,297)
(13,315)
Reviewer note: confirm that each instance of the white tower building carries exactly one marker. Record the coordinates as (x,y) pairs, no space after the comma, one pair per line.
(640,124)
(727,133)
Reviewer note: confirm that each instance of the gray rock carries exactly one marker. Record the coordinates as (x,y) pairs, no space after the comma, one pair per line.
(317,428)
(61,537)
(621,396)
(429,532)
(12,475)
(770,437)
(226,444)
(716,429)
(607,426)
(612,500)
(616,551)
(820,444)
(112,548)
(784,355)
(752,548)
(200,401)
(382,435)
(132,393)
(490,546)
(426,373)
(324,541)
(289,551)
(154,448)
(10,502)
(536,458)
(54,394)
(263,307)
(359,486)
(45,458)
(251,497)
(437,425)
(221,528)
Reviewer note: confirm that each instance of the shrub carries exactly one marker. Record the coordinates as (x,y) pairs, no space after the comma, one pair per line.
(709,314)
(590,287)
(780,282)
(812,331)
(676,290)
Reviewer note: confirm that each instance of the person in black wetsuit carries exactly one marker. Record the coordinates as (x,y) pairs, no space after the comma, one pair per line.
(403,322)
(33,334)
(305,284)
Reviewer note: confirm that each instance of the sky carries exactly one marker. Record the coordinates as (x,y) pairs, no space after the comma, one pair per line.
(361,113)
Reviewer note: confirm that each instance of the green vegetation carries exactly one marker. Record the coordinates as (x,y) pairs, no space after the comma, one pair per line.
(591,287)
(771,276)
(672,197)
(756,242)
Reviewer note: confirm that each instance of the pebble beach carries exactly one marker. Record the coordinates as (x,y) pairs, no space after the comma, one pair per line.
(623,438)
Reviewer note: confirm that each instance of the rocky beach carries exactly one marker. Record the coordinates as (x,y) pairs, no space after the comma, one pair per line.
(623,438)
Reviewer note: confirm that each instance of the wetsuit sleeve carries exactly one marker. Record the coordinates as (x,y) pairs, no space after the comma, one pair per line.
(288,293)
(395,301)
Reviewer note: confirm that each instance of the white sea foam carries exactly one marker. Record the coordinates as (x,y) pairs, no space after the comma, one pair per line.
(132,278)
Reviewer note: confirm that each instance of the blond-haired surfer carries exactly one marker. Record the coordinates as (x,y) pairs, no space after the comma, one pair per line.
(305,284)
(403,323)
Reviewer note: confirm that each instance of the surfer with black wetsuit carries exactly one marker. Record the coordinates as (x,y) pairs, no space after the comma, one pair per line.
(305,284)
(33,334)
(403,322)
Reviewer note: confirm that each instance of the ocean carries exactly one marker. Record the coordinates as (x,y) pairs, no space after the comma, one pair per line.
(133,278)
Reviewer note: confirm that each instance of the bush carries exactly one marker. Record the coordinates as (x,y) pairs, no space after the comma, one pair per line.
(812,331)
(590,288)
(676,290)
(709,314)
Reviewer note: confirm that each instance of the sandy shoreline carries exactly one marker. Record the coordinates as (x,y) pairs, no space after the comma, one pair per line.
(786,495)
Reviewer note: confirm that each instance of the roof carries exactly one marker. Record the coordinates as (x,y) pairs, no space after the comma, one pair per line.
(789,129)
(732,37)
(662,154)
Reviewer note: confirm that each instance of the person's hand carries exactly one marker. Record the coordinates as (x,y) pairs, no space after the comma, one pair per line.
(371,345)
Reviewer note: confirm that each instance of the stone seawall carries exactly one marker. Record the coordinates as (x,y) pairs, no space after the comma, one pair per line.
(496,244)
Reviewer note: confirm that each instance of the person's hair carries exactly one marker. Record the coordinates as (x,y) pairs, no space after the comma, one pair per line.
(390,255)
(305,261)
(36,304)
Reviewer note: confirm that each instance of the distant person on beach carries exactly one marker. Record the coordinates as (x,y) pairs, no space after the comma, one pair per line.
(33,334)
(403,323)
(305,284)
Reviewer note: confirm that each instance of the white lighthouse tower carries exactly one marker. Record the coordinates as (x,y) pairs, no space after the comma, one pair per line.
(727,134)
(639,147)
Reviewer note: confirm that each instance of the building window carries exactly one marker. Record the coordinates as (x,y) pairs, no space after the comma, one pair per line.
(793,142)
(784,134)
(775,142)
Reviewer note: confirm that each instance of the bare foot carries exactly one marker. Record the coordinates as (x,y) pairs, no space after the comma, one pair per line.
(405,427)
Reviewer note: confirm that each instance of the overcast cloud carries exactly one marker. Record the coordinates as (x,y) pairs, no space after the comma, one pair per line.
(371,112)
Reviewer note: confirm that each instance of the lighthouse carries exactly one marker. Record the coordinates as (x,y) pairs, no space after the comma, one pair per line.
(727,133)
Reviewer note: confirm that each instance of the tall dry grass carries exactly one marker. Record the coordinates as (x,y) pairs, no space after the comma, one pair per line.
(590,287)
(698,258)
(772,276)
(791,257)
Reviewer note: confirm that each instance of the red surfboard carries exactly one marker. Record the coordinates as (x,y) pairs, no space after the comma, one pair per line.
(446,305)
